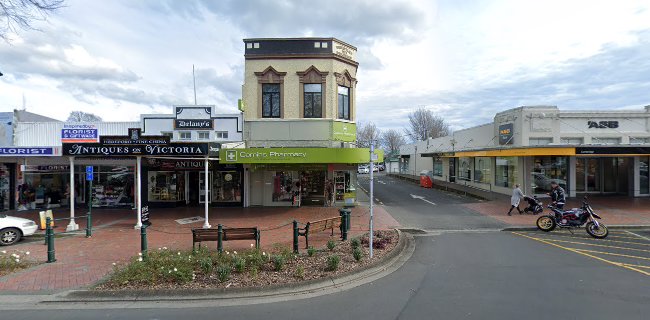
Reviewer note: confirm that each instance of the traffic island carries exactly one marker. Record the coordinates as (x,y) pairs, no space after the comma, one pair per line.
(286,284)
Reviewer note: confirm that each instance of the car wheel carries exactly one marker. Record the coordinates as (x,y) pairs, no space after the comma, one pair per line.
(9,236)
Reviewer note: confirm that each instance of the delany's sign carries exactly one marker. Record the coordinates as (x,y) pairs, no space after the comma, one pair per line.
(196,124)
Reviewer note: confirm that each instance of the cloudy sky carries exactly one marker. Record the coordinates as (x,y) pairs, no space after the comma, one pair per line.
(465,60)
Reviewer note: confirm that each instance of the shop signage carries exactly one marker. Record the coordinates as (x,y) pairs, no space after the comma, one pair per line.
(298,155)
(172,149)
(50,168)
(602,124)
(196,124)
(612,150)
(165,164)
(89,173)
(28,151)
(505,133)
(79,133)
(135,137)
(344,131)
(144,217)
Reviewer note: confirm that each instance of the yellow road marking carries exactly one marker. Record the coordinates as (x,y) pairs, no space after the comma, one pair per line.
(635,266)
(638,235)
(609,236)
(614,254)
(585,254)
(585,238)
(598,245)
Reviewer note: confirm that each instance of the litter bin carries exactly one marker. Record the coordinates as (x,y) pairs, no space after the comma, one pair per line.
(426,179)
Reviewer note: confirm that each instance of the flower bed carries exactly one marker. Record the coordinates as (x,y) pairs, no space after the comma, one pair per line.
(13,261)
(166,269)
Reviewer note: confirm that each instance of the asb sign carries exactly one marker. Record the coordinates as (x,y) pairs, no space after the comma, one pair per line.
(298,155)
(79,133)
(505,133)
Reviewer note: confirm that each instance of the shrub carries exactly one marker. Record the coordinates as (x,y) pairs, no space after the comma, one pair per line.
(333,262)
(355,243)
(10,262)
(223,273)
(205,263)
(278,262)
(311,251)
(240,264)
(253,272)
(331,244)
(300,272)
(255,258)
(282,250)
(357,253)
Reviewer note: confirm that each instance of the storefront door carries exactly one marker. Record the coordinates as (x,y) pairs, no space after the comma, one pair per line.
(603,175)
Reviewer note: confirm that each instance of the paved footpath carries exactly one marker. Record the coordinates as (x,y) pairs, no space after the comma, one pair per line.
(83,261)
(615,211)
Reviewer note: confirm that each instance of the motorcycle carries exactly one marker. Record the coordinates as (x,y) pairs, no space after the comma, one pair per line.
(574,218)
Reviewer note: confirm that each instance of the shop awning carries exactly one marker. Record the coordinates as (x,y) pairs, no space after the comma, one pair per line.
(612,151)
(518,152)
(437,154)
(404,155)
(298,155)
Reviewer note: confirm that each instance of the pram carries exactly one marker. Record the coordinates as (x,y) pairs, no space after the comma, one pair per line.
(534,205)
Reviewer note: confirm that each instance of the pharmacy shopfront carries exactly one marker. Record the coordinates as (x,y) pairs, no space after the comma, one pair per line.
(274,176)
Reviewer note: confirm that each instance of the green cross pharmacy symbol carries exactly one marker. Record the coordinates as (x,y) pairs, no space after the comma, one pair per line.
(231,155)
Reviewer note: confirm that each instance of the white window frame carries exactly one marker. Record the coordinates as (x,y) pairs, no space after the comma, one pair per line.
(182,133)
(223,135)
(606,140)
(206,135)
(568,140)
(539,139)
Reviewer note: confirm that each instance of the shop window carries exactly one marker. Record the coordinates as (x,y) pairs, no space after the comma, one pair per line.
(637,140)
(547,170)
(571,141)
(221,134)
(464,169)
(644,177)
(284,186)
(5,188)
(166,186)
(343,103)
(437,167)
(601,140)
(506,171)
(204,135)
(270,100)
(539,141)
(185,135)
(313,100)
(226,186)
(483,169)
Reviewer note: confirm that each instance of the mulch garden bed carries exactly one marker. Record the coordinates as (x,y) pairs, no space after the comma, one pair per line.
(200,275)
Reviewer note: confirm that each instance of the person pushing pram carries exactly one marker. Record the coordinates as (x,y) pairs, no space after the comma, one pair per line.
(534,205)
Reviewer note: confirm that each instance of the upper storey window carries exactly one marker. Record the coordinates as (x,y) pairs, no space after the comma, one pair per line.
(270,100)
(344,103)
(313,100)
(270,93)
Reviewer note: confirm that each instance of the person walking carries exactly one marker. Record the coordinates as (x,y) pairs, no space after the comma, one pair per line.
(517,195)
(329,192)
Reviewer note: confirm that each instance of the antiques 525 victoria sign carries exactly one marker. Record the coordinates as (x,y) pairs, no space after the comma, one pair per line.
(172,149)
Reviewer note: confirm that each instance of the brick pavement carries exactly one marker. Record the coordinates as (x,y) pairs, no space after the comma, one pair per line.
(82,261)
(613,209)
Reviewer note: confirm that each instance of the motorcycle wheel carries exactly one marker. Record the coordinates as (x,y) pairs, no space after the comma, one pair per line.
(546,223)
(597,232)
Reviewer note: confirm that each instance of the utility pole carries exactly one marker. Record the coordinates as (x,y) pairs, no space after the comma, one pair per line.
(372,180)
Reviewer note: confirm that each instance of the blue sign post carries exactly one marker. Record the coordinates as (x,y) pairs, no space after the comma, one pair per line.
(89,178)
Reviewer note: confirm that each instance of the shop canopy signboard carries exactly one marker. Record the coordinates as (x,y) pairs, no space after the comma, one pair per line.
(298,155)
(29,151)
(612,150)
(344,131)
(137,145)
(76,132)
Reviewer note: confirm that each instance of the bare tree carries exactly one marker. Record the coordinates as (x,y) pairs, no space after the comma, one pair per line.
(424,124)
(80,116)
(366,133)
(20,14)
(392,140)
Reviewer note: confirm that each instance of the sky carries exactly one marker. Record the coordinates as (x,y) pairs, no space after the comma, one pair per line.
(464,60)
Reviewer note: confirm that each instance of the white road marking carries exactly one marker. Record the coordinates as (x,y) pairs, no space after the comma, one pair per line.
(422,198)
(379,181)
(638,235)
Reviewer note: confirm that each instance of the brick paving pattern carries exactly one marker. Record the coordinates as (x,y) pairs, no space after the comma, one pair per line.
(82,261)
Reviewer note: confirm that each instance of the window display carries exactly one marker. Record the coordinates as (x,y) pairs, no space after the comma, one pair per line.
(507,171)
(113,186)
(5,188)
(283,186)
(226,186)
(483,169)
(437,167)
(166,186)
(546,170)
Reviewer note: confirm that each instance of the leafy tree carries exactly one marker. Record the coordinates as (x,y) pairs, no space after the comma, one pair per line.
(20,14)
(424,124)
(80,116)
(366,133)
(392,139)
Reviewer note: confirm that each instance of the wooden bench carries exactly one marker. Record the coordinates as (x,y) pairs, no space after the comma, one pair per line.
(319,225)
(226,234)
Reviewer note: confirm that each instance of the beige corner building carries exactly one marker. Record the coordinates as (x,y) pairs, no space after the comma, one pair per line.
(298,100)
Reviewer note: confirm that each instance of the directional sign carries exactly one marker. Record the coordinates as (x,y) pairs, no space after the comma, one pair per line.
(89,173)
(422,198)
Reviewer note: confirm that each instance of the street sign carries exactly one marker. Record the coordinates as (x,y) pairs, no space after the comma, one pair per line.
(89,173)
(374,157)
(145,216)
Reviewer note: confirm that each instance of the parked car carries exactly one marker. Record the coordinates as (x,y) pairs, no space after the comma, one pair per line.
(375,168)
(363,169)
(14,228)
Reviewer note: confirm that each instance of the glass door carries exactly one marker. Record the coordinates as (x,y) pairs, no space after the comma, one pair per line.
(202,187)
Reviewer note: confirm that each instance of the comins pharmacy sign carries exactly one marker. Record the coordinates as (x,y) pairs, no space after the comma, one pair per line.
(137,145)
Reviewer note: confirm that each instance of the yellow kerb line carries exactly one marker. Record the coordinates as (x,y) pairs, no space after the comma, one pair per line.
(585,238)
(585,254)
(635,266)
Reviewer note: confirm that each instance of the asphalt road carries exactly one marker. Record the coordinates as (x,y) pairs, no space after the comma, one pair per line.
(437,210)
(473,274)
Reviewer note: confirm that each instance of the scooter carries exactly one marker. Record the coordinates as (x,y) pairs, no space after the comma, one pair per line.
(574,218)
